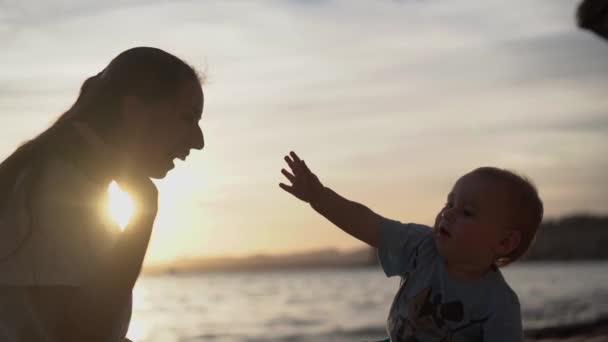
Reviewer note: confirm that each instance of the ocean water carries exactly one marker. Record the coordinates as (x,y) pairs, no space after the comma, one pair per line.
(334,304)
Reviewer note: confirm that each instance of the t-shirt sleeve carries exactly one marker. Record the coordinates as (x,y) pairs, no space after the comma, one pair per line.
(403,246)
(504,325)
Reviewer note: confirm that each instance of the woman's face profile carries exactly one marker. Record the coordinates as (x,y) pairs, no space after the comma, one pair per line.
(164,132)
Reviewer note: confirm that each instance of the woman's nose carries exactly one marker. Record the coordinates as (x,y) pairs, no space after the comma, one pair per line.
(198,140)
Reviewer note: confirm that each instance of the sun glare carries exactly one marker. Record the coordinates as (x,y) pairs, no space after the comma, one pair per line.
(120,206)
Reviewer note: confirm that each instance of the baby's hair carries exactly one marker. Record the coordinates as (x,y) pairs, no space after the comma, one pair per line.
(527,208)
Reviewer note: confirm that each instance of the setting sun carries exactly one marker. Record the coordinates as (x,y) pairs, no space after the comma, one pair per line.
(120,205)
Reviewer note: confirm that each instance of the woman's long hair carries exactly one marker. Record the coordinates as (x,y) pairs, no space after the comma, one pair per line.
(148,73)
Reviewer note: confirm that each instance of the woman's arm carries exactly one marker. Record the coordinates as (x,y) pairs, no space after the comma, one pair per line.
(92,311)
(96,304)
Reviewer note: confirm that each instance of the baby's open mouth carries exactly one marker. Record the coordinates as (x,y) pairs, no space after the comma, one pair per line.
(444,232)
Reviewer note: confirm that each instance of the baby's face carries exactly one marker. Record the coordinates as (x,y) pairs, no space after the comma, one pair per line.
(474,220)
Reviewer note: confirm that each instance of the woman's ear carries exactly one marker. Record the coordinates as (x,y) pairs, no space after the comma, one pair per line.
(509,243)
(132,110)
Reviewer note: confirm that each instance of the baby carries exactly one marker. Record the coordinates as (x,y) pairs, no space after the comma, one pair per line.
(451,288)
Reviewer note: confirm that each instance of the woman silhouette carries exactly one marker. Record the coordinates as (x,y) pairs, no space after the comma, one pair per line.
(66,271)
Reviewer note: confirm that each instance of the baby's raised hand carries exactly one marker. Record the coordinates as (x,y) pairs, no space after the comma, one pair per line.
(304,184)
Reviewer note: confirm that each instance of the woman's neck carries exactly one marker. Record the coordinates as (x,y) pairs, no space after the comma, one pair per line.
(102,160)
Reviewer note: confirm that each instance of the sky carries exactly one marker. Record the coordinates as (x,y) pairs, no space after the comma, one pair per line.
(389,102)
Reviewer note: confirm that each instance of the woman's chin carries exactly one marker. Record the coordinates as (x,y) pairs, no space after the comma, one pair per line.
(160,170)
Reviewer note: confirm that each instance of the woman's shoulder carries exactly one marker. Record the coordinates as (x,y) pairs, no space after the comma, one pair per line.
(55,179)
(51,219)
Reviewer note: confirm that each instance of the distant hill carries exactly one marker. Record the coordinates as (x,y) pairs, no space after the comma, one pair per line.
(326,258)
(577,237)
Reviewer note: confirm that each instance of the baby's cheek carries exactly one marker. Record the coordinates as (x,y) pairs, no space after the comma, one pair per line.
(469,233)
(481,237)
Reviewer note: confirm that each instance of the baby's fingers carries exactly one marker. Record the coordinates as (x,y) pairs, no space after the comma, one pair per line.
(292,164)
(289,176)
(295,157)
(287,188)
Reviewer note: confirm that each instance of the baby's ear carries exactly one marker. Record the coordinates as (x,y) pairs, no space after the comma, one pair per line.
(509,242)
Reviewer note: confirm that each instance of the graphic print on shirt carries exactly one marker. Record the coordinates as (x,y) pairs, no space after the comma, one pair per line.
(426,316)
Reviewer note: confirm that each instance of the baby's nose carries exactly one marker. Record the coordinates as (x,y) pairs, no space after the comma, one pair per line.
(448,214)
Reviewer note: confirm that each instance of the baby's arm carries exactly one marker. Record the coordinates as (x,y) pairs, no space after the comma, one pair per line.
(352,217)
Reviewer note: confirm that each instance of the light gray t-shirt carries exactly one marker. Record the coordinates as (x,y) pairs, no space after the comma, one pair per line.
(57,247)
(432,306)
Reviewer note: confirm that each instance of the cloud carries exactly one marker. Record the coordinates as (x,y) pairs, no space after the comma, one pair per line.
(558,56)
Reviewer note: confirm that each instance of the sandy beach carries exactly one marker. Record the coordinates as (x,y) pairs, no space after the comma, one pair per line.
(596,331)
